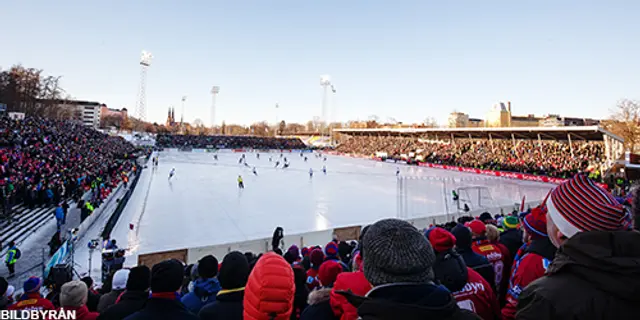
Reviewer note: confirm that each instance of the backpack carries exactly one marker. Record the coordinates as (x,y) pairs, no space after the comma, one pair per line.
(18,254)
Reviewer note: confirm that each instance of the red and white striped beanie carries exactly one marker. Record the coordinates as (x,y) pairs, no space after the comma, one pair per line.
(580,205)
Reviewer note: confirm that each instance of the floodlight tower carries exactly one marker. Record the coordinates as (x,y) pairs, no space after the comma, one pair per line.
(145,63)
(184,98)
(325,82)
(214,94)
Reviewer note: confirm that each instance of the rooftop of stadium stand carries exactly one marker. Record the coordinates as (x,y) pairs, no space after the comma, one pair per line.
(588,133)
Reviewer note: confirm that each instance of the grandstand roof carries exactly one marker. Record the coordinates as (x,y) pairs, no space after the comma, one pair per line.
(590,133)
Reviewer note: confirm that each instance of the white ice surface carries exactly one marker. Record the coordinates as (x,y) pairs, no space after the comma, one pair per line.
(202,205)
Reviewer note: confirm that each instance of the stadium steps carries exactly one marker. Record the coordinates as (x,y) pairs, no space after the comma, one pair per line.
(24,222)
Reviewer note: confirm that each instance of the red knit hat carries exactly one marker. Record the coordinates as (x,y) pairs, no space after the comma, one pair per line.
(535,222)
(580,205)
(316,257)
(305,251)
(328,273)
(477,227)
(441,239)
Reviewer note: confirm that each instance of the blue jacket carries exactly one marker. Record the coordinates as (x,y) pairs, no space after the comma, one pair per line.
(49,193)
(59,213)
(204,292)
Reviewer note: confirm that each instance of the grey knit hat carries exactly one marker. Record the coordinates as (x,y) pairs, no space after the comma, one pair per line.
(395,251)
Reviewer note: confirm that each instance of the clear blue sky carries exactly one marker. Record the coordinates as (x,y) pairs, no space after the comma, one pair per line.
(403,59)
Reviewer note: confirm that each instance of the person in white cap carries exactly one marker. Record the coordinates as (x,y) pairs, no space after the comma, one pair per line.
(596,271)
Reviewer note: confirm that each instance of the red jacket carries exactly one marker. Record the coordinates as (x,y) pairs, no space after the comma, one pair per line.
(269,290)
(82,313)
(495,257)
(312,279)
(358,284)
(32,301)
(506,272)
(477,296)
(526,269)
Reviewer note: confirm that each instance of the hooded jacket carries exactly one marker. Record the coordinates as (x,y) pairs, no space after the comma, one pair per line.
(228,306)
(204,292)
(409,301)
(473,260)
(348,281)
(512,239)
(270,289)
(595,275)
(319,306)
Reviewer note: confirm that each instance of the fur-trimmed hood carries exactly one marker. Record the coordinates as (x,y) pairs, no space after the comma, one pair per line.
(319,295)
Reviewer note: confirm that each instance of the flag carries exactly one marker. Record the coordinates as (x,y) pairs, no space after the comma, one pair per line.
(333,89)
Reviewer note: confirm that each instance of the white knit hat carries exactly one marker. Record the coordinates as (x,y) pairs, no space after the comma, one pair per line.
(120,279)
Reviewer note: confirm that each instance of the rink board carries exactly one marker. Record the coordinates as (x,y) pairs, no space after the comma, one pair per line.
(202,207)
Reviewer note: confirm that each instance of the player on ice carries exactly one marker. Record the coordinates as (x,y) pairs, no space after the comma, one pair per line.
(325,159)
(258,156)
(246,164)
(310,172)
(254,171)
(240,160)
(215,157)
(285,165)
(270,159)
(397,171)
(324,169)
(240,182)
(173,171)
(277,164)
(305,159)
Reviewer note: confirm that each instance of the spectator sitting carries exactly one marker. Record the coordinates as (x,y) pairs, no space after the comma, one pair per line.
(233,276)
(511,237)
(118,285)
(93,297)
(270,290)
(166,280)
(478,263)
(356,283)
(398,262)
(532,262)
(319,304)
(134,298)
(31,298)
(206,287)
(595,273)
(471,291)
(73,297)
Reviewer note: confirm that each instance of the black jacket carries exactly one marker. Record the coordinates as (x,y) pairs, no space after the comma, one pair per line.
(479,264)
(157,308)
(108,300)
(319,307)
(409,301)
(512,239)
(595,275)
(93,299)
(130,303)
(226,306)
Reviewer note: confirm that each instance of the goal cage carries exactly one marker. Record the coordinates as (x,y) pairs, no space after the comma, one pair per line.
(427,196)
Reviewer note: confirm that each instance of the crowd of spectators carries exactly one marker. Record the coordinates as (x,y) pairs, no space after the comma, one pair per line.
(549,158)
(227,142)
(45,161)
(575,256)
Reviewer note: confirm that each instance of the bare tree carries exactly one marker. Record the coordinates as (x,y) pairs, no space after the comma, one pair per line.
(430,122)
(624,121)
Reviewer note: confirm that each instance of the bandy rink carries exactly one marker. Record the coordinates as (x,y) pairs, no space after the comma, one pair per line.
(201,205)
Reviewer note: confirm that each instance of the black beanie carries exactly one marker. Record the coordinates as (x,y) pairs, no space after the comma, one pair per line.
(463,236)
(234,271)
(139,278)
(166,276)
(3,286)
(208,267)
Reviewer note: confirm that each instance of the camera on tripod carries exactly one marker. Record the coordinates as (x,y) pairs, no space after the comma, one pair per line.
(93,244)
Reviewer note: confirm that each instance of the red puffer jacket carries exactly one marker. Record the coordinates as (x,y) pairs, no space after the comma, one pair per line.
(358,284)
(270,290)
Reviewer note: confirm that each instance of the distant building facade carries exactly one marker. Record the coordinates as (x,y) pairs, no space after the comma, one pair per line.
(85,112)
(554,120)
(109,112)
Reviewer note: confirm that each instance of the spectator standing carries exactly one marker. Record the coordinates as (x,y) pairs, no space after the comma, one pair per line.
(233,276)
(270,290)
(316,257)
(532,262)
(73,297)
(319,305)
(166,280)
(4,300)
(349,281)
(60,217)
(302,292)
(13,254)
(332,253)
(93,297)
(398,262)
(482,246)
(206,287)
(471,291)
(595,273)
(118,285)
(511,237)
(493,235)
(477,262)
(31,298)
(134,298)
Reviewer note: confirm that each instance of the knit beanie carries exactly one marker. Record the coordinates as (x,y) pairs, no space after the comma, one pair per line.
(305,251)
(73,294)
(344,250)
(120,279)
(477,227)
(208,267)
(580,205)
(463,236)
(395,251)
(331,251)
(166,276)
(535,223)
(316,257)
(486,217)
(511,222)
(294,251)
(234,271)
(139,278)
(33,284)
(441,240)
(328,273)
